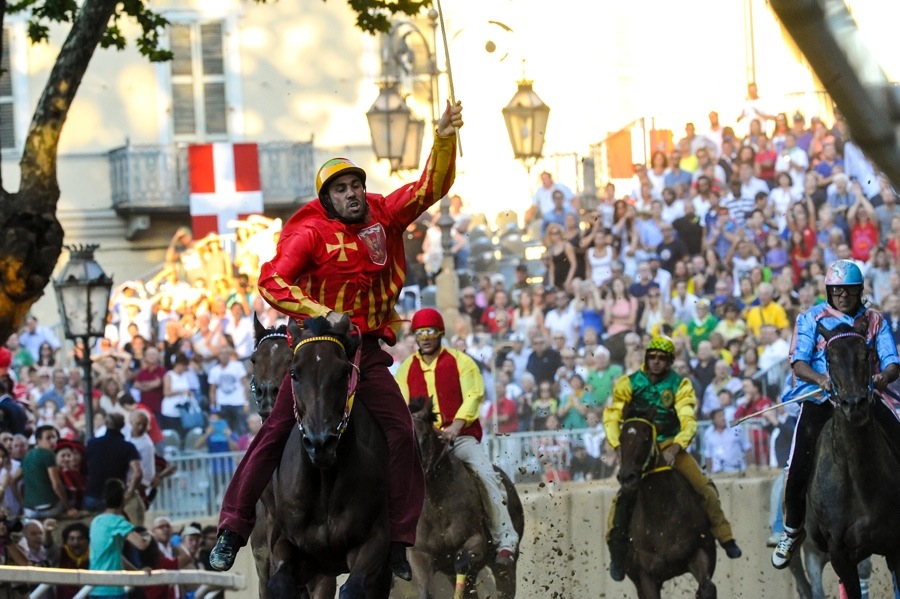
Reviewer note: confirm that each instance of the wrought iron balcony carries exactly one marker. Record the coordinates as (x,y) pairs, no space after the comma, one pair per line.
(151,179)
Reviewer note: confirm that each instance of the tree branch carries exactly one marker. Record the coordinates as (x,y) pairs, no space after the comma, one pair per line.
(38,165)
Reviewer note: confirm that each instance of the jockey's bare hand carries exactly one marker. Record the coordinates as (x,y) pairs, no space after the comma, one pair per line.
(880,381)
(825,382)
(452,432)
(451,120)
(669,453)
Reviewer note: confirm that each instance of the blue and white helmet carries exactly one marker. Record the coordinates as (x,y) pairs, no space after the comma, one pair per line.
(843,272)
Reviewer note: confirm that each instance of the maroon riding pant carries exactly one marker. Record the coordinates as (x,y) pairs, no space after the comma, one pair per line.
(379,392)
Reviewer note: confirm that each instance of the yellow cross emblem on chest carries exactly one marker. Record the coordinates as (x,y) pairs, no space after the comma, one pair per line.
(340,245)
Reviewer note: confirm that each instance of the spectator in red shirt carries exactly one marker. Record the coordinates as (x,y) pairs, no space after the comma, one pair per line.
(754,401)
(499,314)
(149,381)
(507,411)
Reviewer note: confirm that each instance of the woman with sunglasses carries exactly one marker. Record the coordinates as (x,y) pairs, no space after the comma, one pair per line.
(844,287)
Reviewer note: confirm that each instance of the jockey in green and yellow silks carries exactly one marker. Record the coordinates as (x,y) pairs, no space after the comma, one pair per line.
(657,385)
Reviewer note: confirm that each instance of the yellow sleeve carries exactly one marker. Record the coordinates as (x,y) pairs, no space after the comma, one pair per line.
(402,377)
(472,385)
(686,409)
(612,415)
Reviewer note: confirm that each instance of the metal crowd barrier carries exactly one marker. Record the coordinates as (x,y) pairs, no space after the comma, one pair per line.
(196,489)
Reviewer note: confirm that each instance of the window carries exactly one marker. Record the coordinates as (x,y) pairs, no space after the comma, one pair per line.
(7,112)
(199,107)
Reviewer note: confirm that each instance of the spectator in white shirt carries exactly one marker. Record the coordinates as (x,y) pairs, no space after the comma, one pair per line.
(228,390)
(564,319)
(725,449)
(32,336)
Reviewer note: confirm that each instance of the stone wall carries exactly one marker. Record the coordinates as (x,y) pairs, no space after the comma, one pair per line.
(564,553)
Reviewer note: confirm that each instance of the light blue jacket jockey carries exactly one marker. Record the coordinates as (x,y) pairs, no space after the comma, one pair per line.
(807,345)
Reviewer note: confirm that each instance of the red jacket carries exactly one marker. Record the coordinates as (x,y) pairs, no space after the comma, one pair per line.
(322,264)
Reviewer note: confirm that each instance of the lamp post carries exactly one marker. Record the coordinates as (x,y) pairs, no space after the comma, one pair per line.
(82,293)
(397,135)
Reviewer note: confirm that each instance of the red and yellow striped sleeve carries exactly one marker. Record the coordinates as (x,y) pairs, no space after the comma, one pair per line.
(407,203)
(278,277)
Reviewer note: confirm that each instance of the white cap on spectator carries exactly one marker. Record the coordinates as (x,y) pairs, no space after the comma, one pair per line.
(497,278)
(190,530)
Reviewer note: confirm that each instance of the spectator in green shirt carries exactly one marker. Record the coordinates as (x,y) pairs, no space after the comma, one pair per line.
(602,377)
(109,531)
(44,495)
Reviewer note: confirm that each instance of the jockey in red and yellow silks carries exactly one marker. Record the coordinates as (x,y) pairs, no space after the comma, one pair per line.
(324,265)
(453,381)
(344,254)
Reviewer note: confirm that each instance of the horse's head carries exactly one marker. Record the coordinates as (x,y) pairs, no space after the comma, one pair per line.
(431,446)
(848,356)
(321,369)
(271,359)
(637,446)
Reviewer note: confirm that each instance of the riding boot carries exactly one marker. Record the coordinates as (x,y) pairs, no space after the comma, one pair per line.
(617,537)
(398,563)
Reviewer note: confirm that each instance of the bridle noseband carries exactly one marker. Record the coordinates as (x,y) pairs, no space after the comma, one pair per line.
(351,385)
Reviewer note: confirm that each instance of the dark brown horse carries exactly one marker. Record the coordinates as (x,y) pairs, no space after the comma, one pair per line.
(852,500)
(327,514)
(452,535)
(670,533)
(271,359)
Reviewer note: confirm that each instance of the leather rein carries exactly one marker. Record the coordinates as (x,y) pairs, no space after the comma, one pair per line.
(653,456)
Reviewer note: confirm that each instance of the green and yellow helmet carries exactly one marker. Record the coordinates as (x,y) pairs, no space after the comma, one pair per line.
(334,168)
(663,344)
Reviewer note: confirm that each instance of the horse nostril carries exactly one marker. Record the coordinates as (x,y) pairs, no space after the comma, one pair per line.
(308,444)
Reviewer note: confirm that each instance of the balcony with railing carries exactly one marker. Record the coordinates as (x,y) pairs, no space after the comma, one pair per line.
(153,179)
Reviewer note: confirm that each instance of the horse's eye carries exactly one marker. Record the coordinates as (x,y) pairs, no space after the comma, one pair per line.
(293,374)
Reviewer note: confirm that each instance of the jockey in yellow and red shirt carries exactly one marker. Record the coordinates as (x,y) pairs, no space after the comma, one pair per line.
(344,254)
(453,381)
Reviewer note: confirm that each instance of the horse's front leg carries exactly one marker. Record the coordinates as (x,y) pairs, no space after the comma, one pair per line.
(322,587)
(259,542)
(422,566)
(282,583)
(466,563)
(701,568)
(848,575)
(370,576)
(647,587)
(815,561)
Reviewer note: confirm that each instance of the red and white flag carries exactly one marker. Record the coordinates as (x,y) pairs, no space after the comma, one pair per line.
(224,186)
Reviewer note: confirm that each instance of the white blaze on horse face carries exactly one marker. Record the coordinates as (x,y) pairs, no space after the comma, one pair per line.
(631,431)
(318,358)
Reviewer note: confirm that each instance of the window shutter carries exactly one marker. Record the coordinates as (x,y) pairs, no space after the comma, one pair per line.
(199,107)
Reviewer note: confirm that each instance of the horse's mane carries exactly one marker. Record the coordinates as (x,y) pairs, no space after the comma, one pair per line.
(279,330)
(318,325)
(417,404)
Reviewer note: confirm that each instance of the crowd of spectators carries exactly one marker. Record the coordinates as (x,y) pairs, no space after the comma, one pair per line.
(720,242)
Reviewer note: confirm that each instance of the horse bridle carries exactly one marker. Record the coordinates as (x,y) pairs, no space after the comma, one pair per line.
(654,451)
(273,335)
(351,385)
